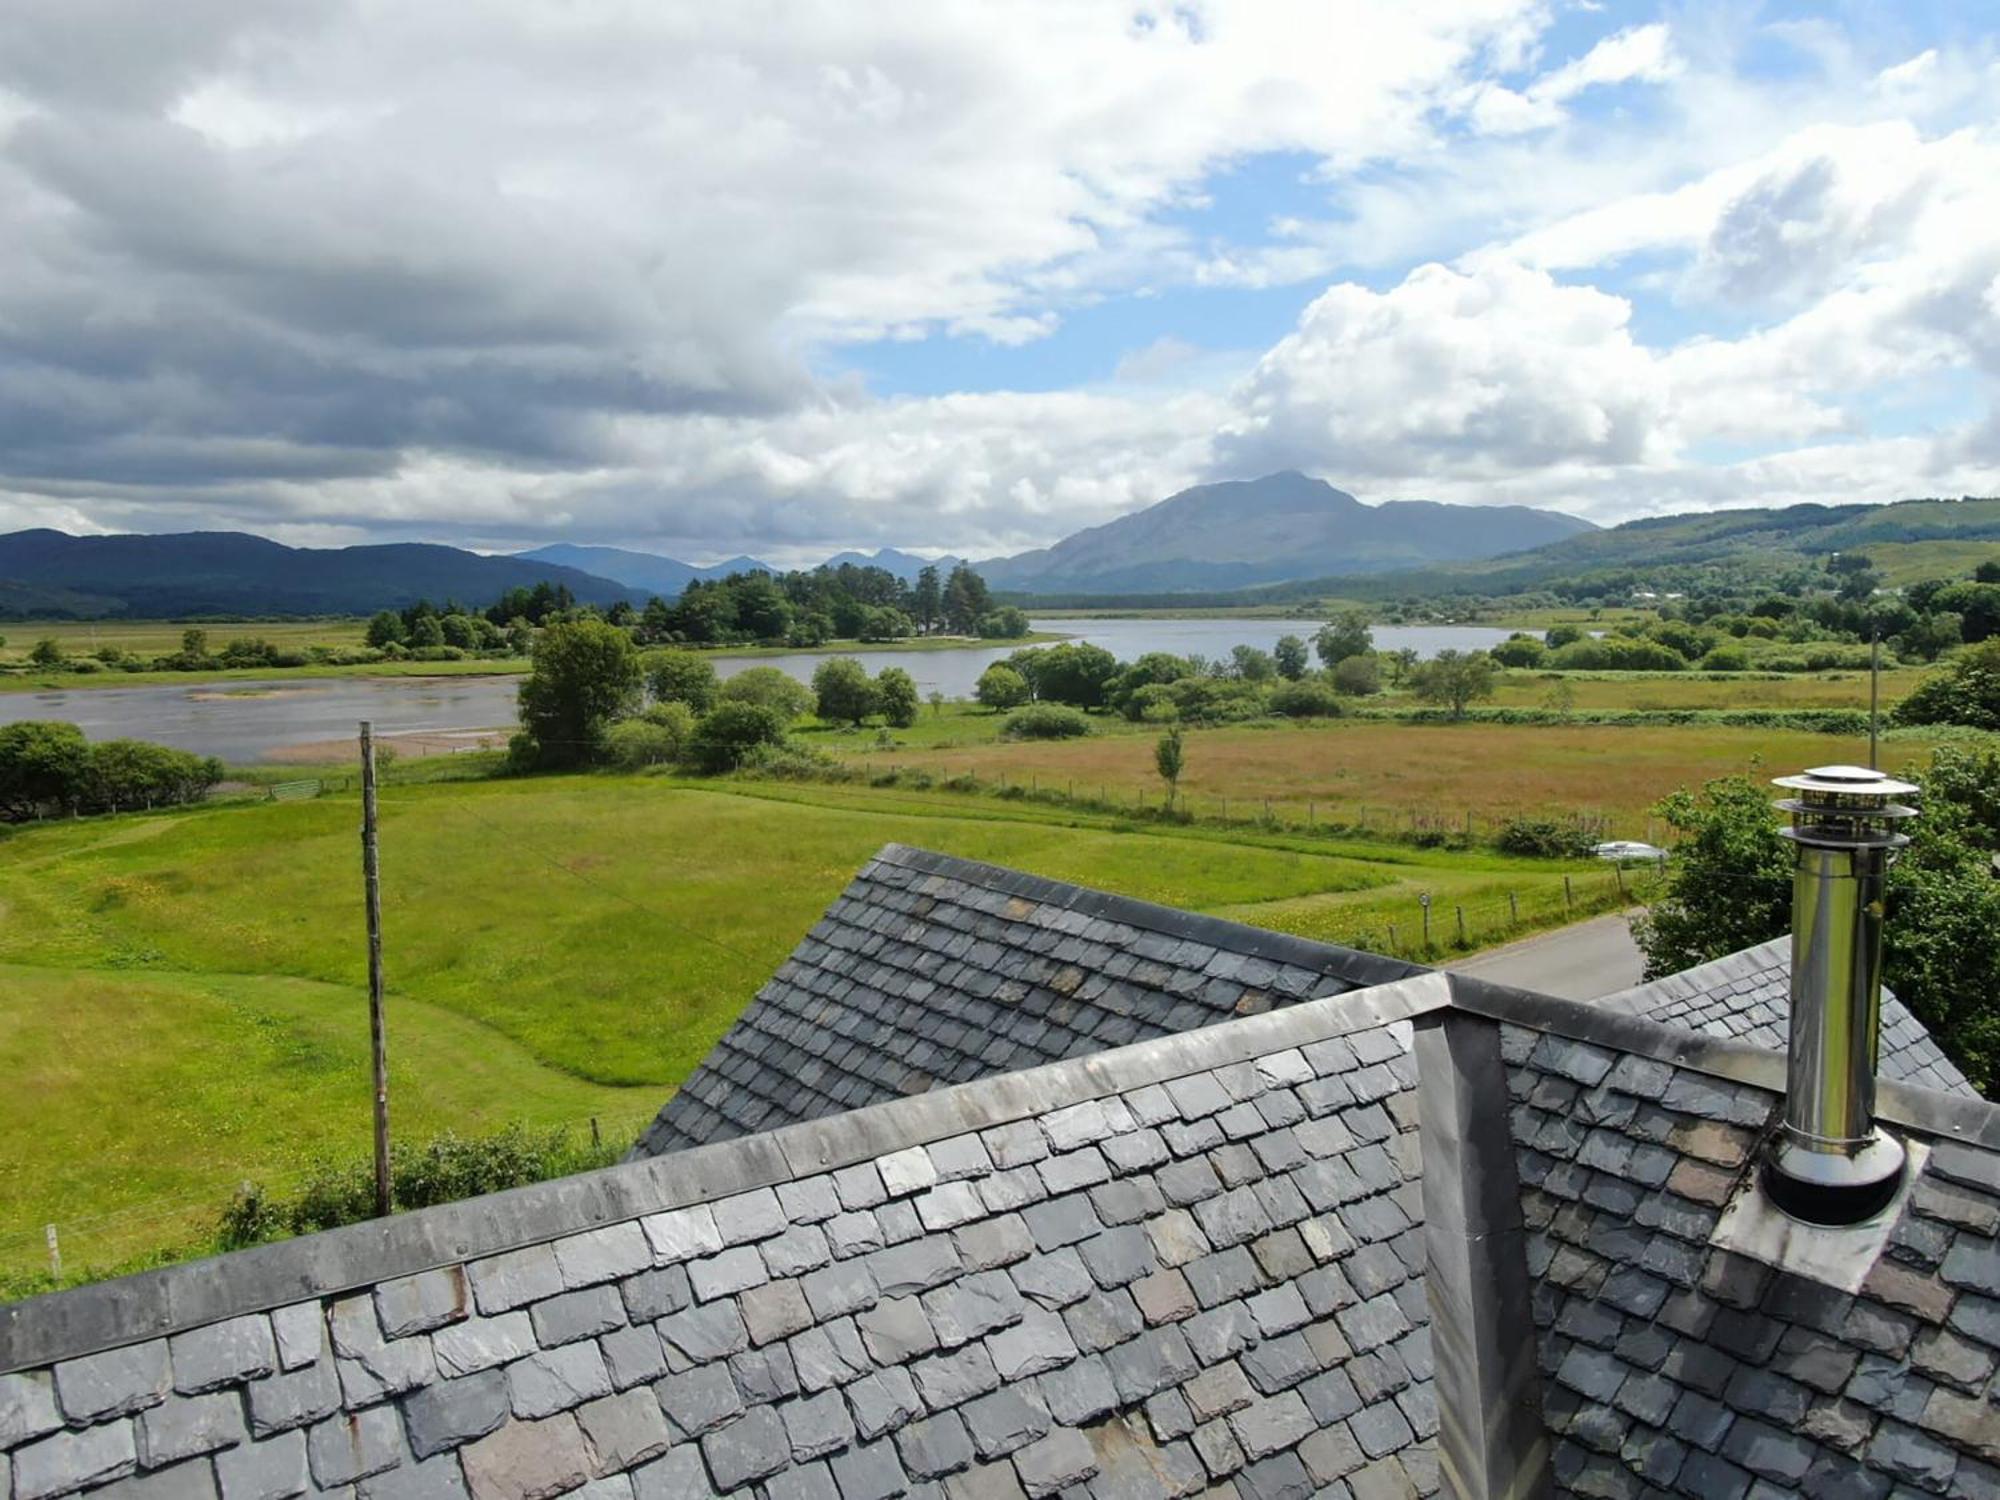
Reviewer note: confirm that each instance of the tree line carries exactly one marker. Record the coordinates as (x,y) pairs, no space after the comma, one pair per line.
(48,769)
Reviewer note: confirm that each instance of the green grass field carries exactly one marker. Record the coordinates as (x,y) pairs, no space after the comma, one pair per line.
(1372,772)
(182,1003)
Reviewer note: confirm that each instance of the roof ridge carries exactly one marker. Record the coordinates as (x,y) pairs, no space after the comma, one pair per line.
(1365,968)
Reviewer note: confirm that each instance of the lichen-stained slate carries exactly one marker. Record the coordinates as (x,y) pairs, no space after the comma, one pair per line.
(1212,1280)
(1672,1366)
(931,971)
(1747,996)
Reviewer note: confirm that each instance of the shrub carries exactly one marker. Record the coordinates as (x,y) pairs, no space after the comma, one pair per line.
(1726,659)
(1966,691)
(1305,700)
(1046,721)
(633,744)
(443,1169)
(729,732)
(1617,653)
(1520,650)
(768,687)
(1004,624)
(1357,676)
(791,761)
(1545,838)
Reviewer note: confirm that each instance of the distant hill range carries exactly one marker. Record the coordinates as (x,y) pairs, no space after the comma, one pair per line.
(1283,526)
(233,573)
(645,573)
(651,573)
(1906,539)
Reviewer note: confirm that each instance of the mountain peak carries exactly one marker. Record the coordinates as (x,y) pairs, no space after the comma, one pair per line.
(1235,533)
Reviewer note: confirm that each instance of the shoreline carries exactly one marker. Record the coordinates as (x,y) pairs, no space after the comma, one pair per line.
(13,680)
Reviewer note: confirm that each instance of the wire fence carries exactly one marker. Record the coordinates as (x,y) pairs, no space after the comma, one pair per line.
(1424,827)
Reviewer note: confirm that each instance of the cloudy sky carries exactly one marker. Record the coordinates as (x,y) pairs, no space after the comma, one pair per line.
(787,277)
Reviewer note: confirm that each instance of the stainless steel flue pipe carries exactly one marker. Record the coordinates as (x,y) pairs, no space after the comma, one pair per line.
(1830,1163)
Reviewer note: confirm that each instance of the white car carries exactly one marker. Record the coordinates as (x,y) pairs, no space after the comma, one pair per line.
(1624,850)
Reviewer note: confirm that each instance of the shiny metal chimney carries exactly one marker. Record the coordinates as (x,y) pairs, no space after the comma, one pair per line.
(1830,1163)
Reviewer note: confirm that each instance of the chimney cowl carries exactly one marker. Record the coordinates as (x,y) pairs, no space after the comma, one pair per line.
(1830,1163)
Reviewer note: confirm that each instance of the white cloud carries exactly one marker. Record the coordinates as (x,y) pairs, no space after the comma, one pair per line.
(1639,54)
(1452,373)
(334,268)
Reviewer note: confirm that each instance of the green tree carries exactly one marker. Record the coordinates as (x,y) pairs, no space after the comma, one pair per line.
(1402,662)
(194,644)
(1001,688)
(1454,679)
(768,687)
(1170,759)
(1559,636)
(1520,650)
(1252,665)
(44,767)
(842,691)
(896,697)
(1730,887)
(680,677)
(1074,672)
(586,674)
(927,598)
(459,631)
(965,600)
(426,630)
(1346,634)
(48,652)
(1004,624)
(1291,657)
(1730,881)
(1966,690)
(1357,676)
(726,737)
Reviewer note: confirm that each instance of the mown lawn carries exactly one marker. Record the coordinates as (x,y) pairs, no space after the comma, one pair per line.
(182,1000)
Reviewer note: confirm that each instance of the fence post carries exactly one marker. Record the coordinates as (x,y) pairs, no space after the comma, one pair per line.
(1424,900)
(1461,925)
(1267,809)
(55,1254)
(1620,868)
(1513,909)
(1394,946)
(1569,901)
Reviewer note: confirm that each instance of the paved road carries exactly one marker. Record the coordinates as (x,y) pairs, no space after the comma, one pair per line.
(1583,962)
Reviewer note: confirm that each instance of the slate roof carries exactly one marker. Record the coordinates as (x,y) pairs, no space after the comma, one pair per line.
(1433,1236)
(1747,995)
(931,971)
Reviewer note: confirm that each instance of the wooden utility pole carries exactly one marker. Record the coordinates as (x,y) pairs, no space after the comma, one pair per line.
(371,875)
